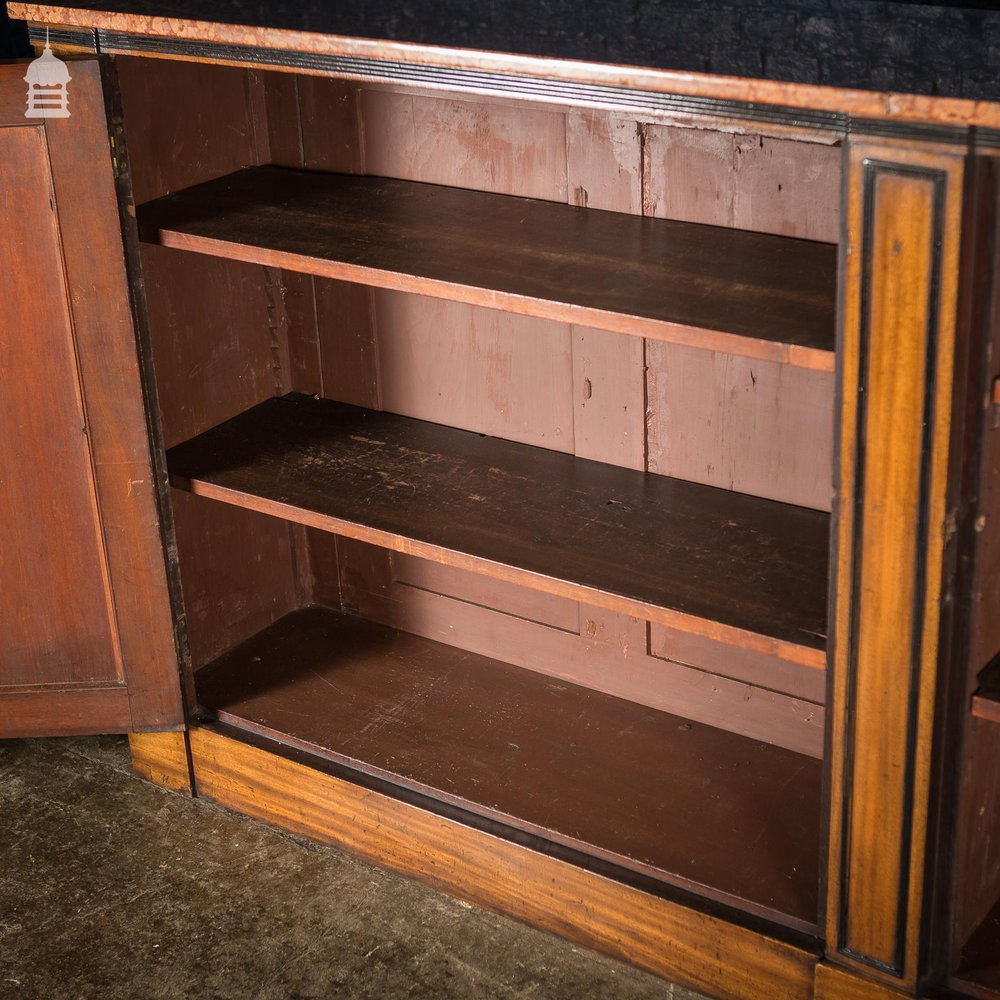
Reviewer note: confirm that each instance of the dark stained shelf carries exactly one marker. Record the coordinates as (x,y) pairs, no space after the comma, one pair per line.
(753,294)
(980,962)
(686,803)
(986,700)
(749,571)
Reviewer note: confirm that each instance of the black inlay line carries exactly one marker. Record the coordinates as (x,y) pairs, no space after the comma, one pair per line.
(871,170)
(620,98)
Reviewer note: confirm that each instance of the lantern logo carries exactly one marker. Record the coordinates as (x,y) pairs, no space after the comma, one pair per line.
(48,78)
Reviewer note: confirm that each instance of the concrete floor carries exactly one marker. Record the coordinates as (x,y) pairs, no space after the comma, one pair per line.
(113,888)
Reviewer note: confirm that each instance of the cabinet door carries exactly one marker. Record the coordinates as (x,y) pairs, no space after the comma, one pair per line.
(86,632)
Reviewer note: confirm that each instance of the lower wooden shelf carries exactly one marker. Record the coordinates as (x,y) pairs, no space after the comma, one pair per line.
(979,970)
(986,700)
(692,806)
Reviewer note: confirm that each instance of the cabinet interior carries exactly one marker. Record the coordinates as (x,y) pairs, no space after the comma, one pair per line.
(500,437)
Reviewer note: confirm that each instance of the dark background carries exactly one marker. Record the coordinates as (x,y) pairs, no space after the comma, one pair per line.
(948,48)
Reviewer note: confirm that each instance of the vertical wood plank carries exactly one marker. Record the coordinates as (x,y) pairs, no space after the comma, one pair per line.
(53,628)
(162,758)
(604,171)
(754,426)
(899,308)
(779,186)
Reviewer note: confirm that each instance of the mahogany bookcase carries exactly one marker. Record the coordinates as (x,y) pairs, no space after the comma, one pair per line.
(572,485)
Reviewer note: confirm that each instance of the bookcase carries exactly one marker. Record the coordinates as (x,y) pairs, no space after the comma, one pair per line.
(574,499)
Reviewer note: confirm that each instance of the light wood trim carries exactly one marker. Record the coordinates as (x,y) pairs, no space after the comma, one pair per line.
(840,984)
(683,945)
(163,759)
(900,297)
(868,104)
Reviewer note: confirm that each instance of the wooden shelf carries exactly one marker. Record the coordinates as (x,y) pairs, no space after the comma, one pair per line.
(737,568)
(688,804)
(763,296)
(980,962)
(986,700)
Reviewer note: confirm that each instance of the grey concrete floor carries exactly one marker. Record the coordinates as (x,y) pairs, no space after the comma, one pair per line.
(113,888)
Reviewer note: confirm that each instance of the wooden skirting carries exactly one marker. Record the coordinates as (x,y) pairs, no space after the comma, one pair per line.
(701,951)
(839,984)
(162,758)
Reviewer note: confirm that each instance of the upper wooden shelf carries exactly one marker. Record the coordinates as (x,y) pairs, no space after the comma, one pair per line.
(761,296)
(744,570)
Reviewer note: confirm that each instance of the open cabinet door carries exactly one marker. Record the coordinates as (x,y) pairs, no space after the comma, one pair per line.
(86,633)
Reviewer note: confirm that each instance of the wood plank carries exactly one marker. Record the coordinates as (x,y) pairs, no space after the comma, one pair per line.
(584,769)
(980,962)
(53,629)
(834,983)
(904,210)
(722,563)
(753,426)
(986,700)
(69,710)
(758,295)
(163,759)
(707,953)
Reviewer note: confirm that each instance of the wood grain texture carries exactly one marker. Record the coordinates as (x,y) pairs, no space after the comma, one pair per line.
(758,295)
(834,983)
(163,759)
(92,224)
(683,945)
(88,642)
(571,765)
(899,327)
(742,567)
(50,532)
(868,104)
(69,710)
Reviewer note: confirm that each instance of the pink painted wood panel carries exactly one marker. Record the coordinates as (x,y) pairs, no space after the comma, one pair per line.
(779,186)
(609,654)
(604,171)
(753,426)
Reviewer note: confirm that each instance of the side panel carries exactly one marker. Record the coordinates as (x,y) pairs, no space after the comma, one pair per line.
(86,643)
(898,349)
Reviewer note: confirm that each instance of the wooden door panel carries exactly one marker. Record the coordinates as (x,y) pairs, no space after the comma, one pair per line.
(86,635)
(55,618)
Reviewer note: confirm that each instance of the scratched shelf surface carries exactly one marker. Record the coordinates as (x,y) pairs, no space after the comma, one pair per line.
(724,564)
